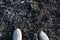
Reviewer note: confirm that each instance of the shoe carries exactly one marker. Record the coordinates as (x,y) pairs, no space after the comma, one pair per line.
(43,36)
(17,34)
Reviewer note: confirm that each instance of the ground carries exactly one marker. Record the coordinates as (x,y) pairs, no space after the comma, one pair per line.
(31,18)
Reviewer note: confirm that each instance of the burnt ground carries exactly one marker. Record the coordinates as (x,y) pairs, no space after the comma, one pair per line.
(30,17)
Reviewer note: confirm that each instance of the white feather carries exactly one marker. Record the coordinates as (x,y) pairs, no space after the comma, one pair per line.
(17,35)
(43,36)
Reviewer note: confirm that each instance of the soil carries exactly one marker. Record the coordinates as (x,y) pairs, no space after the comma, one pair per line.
(31,18)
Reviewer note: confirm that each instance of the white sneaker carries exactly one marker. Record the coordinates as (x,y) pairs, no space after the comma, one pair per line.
(17,35)
(43,36)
